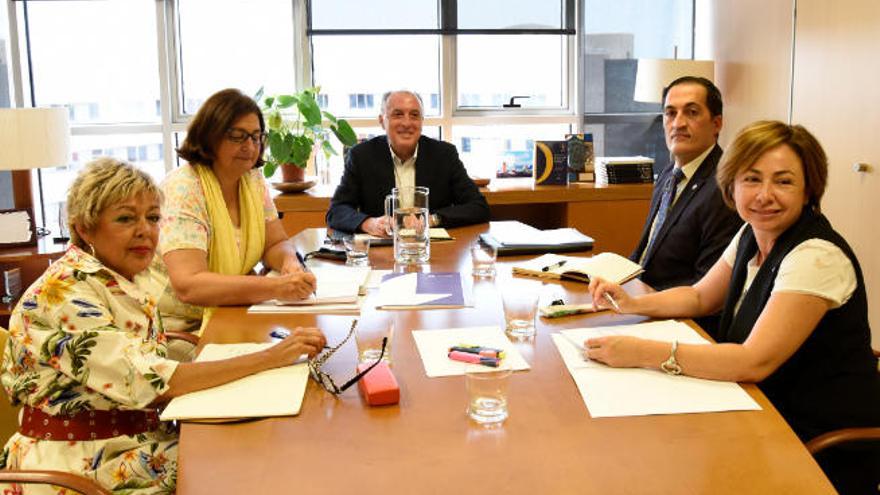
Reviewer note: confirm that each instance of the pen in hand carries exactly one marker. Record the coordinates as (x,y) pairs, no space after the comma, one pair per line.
(305,268)
(554,265)
(612,301)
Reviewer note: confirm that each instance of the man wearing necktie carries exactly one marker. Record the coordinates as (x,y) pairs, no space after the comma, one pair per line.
(688,225)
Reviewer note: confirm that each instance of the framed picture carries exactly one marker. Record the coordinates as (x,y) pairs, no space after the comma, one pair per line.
(17,228)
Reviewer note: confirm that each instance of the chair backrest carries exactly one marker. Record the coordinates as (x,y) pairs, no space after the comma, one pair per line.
(8,414)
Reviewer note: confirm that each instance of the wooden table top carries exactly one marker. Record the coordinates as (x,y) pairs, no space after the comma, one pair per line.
(427,444)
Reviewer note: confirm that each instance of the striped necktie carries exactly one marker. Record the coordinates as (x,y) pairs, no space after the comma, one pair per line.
(665,203)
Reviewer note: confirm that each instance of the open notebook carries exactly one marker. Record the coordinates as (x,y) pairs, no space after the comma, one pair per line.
(336,284)
(275,392)
(609,266)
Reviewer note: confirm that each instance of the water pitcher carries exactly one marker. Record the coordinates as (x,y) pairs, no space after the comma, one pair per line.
(407,208)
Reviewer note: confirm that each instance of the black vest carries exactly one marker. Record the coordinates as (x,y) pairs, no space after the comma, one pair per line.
(831,381)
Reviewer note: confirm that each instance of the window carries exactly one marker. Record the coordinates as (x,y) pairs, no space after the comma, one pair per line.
(338,58)
(110,84)
(234,44)
(613,37)
(132,72)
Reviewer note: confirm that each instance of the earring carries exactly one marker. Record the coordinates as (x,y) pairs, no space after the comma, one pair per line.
(92,249)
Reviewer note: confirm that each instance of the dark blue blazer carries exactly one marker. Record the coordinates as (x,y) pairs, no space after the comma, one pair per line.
(369,177)
(697,229)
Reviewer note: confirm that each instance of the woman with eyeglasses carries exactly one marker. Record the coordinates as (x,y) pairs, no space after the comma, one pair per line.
(86,356)
(219,219)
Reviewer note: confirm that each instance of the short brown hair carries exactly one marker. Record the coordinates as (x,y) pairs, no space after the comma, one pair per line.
(760,137)
(211,122)
(102,183)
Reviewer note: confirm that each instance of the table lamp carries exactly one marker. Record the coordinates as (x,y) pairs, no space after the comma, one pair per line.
(654,74)
(34,138)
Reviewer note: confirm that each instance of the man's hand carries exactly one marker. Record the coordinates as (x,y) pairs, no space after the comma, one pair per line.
(377,226)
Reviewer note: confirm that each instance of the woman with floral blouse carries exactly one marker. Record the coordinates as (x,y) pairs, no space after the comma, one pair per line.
(87,356)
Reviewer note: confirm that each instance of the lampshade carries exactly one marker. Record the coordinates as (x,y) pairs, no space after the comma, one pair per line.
(654,74)
(33,138)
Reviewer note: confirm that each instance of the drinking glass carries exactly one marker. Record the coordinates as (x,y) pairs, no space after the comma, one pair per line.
(487,394)
(483,257)
(357,249)
(520,301)
(407,208)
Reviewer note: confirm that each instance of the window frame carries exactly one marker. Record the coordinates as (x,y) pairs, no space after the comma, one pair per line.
(174,121)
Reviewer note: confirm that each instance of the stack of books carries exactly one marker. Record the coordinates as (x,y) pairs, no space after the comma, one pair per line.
(624,170)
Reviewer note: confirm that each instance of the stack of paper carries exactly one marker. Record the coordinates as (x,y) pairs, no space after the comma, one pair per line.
(275,392)
(636,391)
(433,346)
(512,238)
(338,291)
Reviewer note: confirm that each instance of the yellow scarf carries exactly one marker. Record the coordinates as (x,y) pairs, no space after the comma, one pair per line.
(224,255)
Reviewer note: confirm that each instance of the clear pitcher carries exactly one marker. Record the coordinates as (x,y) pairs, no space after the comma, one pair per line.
(407,209)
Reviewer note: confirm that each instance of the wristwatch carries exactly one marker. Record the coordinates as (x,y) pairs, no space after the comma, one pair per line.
(434,220)
(671,366)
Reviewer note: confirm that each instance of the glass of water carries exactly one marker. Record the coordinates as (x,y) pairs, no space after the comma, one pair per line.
(487,393)
(520,300)
(357,249)
(483,257)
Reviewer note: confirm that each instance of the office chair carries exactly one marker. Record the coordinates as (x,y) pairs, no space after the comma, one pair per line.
(844,435)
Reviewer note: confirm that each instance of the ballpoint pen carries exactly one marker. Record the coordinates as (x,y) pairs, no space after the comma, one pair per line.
(612,301)
(554,265)
(305,268)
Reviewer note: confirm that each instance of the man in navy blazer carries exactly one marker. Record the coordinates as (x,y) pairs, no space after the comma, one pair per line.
(678,247)
(403,157)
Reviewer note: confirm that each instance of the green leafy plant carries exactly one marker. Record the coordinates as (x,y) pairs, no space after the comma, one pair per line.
(295,124)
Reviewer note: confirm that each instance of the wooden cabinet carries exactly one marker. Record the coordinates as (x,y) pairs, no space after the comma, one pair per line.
(32,261)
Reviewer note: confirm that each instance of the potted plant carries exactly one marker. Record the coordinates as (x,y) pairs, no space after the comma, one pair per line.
(295,124)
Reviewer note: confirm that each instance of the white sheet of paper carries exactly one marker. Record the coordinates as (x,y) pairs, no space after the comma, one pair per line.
(15,227)
(433,346)
(335,309)
(375,278)
(401,291)
(612,392)
(275,392)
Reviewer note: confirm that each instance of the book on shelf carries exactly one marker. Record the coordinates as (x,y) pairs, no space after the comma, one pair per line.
(513,238)
(551,163)
(624,170)
(609,266)
(580,157)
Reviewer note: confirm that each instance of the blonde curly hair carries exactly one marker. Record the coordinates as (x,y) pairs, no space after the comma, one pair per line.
(103,182)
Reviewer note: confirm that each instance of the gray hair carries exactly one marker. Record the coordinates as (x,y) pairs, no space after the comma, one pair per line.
(388,94)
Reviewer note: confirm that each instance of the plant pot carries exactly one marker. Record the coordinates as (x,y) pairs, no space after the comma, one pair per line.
(292,173)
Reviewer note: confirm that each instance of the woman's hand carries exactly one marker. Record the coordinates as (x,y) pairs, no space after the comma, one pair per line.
(616,350)
(309,341)
(599,287)
(294,287)
(291,265)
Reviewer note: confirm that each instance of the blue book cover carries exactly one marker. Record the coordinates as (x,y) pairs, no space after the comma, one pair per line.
(448,284)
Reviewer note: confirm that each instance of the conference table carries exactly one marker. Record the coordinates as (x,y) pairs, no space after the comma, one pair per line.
(427,443)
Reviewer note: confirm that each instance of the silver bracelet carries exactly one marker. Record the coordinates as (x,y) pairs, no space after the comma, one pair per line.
(671,366)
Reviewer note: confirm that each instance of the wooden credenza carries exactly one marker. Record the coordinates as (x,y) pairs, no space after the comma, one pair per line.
(612,214)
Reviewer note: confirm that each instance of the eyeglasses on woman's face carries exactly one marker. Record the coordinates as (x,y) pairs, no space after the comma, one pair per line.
(239,136)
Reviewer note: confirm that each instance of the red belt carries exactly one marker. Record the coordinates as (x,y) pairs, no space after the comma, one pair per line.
(86,425)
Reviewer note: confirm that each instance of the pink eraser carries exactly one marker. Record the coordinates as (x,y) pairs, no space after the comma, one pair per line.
(379,387)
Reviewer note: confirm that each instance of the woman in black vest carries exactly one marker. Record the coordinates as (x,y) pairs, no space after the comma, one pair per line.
(795,313)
